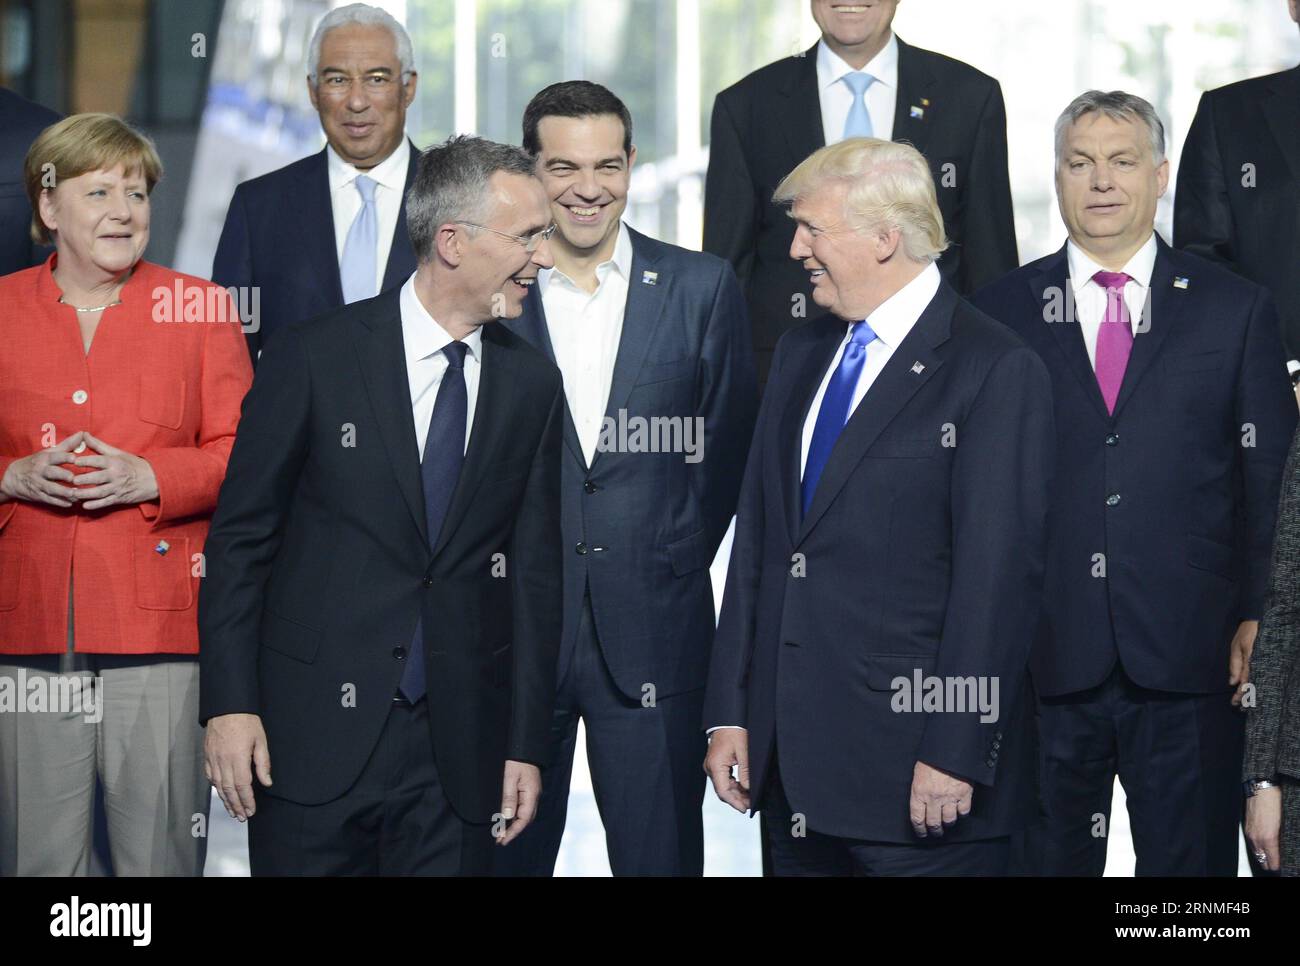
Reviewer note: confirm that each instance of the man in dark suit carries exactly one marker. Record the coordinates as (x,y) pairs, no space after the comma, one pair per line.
(20,122)
(381,610)
(1238,197)
(858,80)
(868,677)
(646,335)
(1173,414)
(330,229)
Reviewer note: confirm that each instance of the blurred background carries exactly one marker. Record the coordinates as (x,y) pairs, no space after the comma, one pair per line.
(221,88)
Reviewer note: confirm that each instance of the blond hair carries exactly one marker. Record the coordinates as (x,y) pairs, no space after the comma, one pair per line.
(79,144)
(889,186)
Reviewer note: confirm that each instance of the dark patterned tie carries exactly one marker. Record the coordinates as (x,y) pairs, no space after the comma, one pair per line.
(444,452)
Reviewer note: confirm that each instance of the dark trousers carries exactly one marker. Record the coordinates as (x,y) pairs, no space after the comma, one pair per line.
(394,820)
(1178,757)
(646,770)
(799,851)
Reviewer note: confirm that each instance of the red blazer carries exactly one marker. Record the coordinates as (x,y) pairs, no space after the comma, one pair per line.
(168,391)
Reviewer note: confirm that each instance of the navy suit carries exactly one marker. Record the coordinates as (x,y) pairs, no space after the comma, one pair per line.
(20,123)
(279,236)
(1161,522)
(639,532)
(921,552)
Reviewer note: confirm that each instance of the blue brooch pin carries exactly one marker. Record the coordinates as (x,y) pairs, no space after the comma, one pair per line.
(162,548)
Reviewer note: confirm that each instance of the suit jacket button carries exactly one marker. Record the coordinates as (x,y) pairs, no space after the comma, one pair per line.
(1112,440)
(1112,500)
(991,763)
(580,548)
(428,581)
(589,487)
(399,652)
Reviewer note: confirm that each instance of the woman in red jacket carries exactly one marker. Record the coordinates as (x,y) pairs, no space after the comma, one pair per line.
(120,387)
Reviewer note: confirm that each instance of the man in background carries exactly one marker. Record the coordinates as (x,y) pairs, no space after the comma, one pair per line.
(20,121)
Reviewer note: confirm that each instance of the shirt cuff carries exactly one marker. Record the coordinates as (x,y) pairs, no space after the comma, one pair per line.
(720,727)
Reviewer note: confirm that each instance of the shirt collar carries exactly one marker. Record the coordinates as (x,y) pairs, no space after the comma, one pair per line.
(894,317)
(1140,267)
(831,67)
(422,336)
(390,172)
(620,262)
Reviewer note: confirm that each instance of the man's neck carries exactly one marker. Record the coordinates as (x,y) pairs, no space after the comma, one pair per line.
(579,264)
(1110,258)
(857,56)
(438,301)
(900,276)
(369,164)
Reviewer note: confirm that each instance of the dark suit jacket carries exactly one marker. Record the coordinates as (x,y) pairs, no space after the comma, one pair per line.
(641,528)
(767,123)
(1194,490)
(279,236)
(915,557)
(20,122)
(318,562)
(1238,197)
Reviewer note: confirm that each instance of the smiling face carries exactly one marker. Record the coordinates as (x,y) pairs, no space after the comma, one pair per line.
(863,24)
(1108,184)
(100,220)
(586,175)
(359,93)
(499,270)
(840,260)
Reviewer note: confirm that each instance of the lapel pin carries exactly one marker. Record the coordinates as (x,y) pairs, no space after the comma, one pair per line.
(918,368)
(162,548)
(925,102)
(649,278)
(918,112)
(1180,281)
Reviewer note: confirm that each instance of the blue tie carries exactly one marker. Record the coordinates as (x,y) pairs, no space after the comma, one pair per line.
(834,412)
(858,123)
(444,452)
(360,249)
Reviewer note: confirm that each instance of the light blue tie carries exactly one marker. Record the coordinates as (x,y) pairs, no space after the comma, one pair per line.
(858,124)
(834,411)
(359,251)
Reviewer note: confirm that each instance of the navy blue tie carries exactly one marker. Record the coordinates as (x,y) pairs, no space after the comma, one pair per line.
(834,412)
(444,452)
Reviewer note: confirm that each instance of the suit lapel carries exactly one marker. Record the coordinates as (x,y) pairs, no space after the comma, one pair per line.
(496,401)
(400,263)
(1052,287)
(318,241)
(915,90)
(891,391)
(809,370)
(531,325)
(797,108)
(382,357)
(1282,111)
(646,294)
(1167,304)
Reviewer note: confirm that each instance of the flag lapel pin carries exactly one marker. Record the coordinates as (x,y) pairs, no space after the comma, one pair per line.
(1180,281)
(649,278)
(918,368)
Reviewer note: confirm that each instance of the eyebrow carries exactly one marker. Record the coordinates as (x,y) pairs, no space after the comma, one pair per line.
(614,159)
(368,70)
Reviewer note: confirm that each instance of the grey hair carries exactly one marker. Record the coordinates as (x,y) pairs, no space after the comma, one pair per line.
(1118,106)
(361,13)
(451,184)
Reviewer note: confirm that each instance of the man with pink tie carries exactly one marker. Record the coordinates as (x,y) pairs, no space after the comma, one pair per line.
(1173,416)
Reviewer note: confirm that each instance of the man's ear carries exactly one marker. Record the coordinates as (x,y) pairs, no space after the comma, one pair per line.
(887,243)
(311,94)
(448,242)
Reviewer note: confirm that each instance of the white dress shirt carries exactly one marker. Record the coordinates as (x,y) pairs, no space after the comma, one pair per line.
(891,322)
(423,340)
(345,200)
(836,97)
(585,330)
(1090,296)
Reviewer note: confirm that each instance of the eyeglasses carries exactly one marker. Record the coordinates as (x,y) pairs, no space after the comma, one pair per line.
(530,242)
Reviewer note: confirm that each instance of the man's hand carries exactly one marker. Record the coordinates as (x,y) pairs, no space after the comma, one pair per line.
(38,478)
(1263,825)
(521,788)
(729,747)
(231,742)
(1243,642)
(938,800)
(120,478)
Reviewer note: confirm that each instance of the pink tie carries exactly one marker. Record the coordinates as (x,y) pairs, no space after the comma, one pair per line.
(1114,337)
